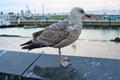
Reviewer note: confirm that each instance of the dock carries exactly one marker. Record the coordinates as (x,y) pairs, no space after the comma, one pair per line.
(86,23)
(16,65)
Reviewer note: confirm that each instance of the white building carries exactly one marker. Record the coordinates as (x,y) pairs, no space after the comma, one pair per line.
(104,12)
(10,16)
(6,19)
(4,22)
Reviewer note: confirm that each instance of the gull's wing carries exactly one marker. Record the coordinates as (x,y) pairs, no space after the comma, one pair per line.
(53,34)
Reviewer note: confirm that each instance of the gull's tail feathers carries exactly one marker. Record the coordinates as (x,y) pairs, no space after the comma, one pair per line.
(30,45)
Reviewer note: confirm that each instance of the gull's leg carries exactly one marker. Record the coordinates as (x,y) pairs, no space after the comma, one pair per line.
(64,58)
(64,61)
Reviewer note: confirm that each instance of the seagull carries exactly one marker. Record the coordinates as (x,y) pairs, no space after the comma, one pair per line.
(59,35)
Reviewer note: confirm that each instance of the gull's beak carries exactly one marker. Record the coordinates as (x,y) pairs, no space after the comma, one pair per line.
(87,15)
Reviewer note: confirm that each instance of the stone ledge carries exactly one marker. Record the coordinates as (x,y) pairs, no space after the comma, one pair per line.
(31,66)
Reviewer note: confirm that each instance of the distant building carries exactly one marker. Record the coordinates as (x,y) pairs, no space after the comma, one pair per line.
(56,16)
(40,17)
(28,14)
(4,22)
(22,15)
(105,14)
(5,19)
(10,16)
(4,16)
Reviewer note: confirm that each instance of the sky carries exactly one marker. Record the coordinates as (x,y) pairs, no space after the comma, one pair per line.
(58,6)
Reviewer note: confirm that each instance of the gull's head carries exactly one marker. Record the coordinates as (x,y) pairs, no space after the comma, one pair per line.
(78,12)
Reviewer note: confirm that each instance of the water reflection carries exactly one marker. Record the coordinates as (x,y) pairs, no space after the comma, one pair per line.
(99,34)
(57,73)
(74,46)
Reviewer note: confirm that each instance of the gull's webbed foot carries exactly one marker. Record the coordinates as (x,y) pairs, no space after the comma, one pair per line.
(64,61)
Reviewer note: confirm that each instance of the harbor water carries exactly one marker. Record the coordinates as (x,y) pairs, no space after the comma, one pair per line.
(90,34)
(91,43)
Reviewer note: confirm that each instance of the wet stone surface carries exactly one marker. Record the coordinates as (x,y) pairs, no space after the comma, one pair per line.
(31,66)
(82,68)
(47,67)
(14,64)
(57,73)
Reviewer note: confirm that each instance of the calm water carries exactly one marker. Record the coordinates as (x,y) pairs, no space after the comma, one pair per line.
(92,46)
(96,34)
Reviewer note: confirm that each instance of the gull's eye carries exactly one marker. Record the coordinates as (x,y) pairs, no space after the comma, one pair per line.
(81,11)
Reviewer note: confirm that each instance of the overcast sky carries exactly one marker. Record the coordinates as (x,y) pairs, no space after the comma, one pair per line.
(57,5)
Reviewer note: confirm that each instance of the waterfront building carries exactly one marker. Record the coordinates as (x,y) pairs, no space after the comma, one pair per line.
(28,14)
(105,14)
(10,16)
(6,19)
(22,15)
(95,15)
(4,16)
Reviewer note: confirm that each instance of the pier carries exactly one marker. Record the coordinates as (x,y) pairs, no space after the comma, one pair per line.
(86,23)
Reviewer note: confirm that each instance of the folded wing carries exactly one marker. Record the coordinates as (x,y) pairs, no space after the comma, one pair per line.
(48,37)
